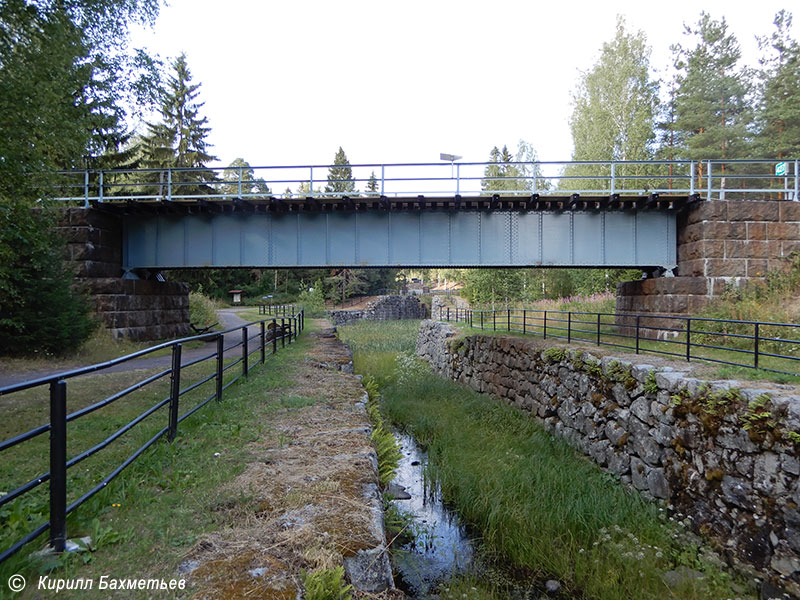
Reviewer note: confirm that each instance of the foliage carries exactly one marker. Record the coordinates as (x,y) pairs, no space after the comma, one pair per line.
(240,170)
(313,299)
(613,112)
(382,438)
(346,282)
(179,139)
(40,312)
(327,584)
(779,114)
(202,310)
(372,185)
(68,84)
(513,173)
(340,176)
(712,110)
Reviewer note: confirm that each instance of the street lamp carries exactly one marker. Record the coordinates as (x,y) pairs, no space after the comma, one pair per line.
(452,158)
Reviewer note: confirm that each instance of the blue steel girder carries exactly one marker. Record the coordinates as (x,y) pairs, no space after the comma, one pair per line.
(432,238)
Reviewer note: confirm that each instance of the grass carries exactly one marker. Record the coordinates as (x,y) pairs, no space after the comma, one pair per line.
(159,505)
(537,502)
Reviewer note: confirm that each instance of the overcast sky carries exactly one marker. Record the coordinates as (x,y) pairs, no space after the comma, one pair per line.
(289,82)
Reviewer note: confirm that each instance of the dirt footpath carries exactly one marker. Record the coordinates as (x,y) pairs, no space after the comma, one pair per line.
(312,493)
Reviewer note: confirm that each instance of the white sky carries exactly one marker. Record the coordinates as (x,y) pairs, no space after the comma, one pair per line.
(288,82)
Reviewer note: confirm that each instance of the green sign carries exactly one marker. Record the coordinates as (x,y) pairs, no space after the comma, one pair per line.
(780,169)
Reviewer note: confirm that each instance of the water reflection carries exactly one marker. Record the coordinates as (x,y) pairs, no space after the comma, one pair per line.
(440,548)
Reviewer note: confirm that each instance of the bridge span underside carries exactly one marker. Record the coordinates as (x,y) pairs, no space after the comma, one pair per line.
(433,238)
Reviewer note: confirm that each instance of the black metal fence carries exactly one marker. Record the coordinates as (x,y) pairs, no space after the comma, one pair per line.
(773,347)
(270,335)
(278,310)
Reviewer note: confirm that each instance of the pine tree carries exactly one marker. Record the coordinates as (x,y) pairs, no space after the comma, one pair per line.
(240,170)
(179,139)
(712,111)
(614,110)
(340,176)
(779,110)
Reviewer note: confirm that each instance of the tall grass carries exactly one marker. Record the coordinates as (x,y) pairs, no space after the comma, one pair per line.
(536,501)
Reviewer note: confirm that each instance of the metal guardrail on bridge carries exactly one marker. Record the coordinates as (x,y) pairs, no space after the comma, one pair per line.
(723,179)
(271,334)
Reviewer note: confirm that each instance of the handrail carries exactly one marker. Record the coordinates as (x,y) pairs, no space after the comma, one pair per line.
(703,178)
(649,333)
(288,329)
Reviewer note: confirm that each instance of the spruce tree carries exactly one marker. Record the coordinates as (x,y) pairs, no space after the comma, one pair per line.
(179,139)
(779,110)
(340,176)
(372,185)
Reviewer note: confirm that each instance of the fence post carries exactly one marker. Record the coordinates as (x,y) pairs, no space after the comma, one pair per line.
(755,350)
(638,317)
(524,321)
(598,329)
(494,320)
(545,325)
(448,314)
(244,350)
(220,364)
(481,319)
(174,392)
(688,340)
(263,340)
(283,332)
(508,319)
(58,465)
(569,327)
(274,336)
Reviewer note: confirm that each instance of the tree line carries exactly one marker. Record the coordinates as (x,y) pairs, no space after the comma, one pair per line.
(72,91)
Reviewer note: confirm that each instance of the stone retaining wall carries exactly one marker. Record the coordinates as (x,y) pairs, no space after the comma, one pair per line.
(385,308)
(722,454)
(140,310)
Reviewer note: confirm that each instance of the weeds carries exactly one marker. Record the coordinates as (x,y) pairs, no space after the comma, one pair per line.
(327,584)
(535,501)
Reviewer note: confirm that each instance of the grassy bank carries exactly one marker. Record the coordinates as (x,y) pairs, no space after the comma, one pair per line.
(144,521)
(538,503)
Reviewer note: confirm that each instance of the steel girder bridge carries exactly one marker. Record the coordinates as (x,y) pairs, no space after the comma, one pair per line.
(574,214)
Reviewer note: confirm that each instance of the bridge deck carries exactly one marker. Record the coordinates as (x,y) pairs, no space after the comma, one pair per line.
(533,202)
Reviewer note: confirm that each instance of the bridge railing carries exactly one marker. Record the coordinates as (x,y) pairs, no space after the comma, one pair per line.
(269,336)
(773,347)
(723,179)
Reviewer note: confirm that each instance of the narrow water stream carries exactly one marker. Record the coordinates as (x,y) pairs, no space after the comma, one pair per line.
(441,547)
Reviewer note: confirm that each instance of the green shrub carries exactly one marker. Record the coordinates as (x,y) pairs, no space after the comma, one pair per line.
(313,300)
(202,310)
(326,584)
